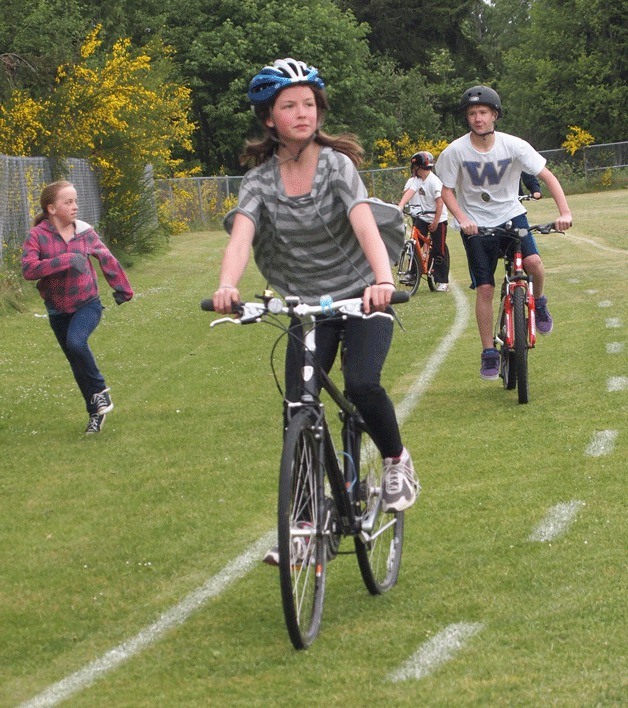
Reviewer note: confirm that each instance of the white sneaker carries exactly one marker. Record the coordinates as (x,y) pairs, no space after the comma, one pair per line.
(300,545)
(442,288)
(271,557)
(400,484)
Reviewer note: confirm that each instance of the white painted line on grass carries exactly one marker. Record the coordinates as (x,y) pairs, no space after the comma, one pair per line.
(605,303)
(613,323)
(617,383)
(421,384)
(602,443)
(436,652)
(174,617)
(239,567)
(590,242)
(556,521)
(614,347)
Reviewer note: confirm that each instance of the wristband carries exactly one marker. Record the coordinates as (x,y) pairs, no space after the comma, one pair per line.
(386,282)
(227,287)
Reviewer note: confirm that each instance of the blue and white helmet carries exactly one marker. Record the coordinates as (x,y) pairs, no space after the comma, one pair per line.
(284,72)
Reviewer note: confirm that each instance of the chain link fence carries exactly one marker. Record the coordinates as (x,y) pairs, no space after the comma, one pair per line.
(201,202)
(21,182)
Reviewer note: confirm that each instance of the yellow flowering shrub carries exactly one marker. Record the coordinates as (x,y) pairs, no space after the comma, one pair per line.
(120,110)
(576,139)
(22,124)
(398,154)
(606,180)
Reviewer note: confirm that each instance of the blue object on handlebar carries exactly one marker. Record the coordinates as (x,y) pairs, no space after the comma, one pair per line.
(327,303)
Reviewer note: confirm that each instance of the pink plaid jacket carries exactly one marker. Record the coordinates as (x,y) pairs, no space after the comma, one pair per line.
(46,257)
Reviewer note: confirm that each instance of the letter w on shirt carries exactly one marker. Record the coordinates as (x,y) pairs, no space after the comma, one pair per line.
(490,172)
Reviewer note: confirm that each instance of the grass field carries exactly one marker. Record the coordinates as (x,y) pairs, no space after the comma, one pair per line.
(102,537)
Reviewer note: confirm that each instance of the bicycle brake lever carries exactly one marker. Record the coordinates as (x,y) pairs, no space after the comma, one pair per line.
(224,320)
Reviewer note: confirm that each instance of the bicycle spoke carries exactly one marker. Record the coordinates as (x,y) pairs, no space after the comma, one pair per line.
(379,547)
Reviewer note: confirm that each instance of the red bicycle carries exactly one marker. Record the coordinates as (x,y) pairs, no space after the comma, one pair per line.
(515,326)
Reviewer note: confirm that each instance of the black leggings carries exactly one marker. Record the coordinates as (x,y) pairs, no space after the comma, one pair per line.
(367,343)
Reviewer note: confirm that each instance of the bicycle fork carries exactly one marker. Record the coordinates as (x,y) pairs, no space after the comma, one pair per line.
(506,336)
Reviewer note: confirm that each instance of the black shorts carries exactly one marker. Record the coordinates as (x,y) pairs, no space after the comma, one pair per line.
(483,252)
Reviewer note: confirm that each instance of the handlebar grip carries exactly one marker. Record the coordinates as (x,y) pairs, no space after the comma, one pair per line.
(399,296)
(208,306)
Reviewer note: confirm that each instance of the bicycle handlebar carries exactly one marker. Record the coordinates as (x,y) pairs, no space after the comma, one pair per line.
(252,311)
(518,233)
(420,212)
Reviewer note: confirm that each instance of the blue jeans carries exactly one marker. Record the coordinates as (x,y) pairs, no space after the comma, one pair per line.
(72,331)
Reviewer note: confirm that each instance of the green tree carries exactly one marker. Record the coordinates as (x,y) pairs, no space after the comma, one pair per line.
(409,31)
(221,43)
(35,38)
(569,68)
(122,111)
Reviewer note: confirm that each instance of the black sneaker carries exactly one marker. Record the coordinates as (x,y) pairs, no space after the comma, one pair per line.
(102,401)
(95,423)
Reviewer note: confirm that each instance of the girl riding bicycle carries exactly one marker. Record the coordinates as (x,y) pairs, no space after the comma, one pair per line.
(305,212)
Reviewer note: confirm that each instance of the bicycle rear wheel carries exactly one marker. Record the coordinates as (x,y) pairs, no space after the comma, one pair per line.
(521,343)
(408,274)
(302,552)
(378,547)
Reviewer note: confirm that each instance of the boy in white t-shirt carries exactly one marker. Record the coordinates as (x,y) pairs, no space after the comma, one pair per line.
(484,168)
(422,194)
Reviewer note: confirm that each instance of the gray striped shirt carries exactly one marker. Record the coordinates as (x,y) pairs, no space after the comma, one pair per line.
(305,245)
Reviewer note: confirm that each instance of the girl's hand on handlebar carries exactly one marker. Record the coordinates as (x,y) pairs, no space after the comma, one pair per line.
(224,298)
(377,297)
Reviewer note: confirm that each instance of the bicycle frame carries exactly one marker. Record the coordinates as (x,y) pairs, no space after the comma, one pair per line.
(422,245)
(515,277)
(343,482)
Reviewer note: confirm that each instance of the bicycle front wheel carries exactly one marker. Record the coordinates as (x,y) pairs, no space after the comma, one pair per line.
(507,355)
(521,343)
(408,272)
(379,545)
(302,553)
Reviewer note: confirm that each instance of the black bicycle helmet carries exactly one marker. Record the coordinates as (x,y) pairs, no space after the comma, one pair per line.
(422,160)
(481,95)
(271,80)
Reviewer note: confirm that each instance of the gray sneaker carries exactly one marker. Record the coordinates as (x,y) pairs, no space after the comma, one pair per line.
(400,485)
(102,402)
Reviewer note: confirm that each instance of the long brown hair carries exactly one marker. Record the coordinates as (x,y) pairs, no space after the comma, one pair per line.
(258,151)
(48,196)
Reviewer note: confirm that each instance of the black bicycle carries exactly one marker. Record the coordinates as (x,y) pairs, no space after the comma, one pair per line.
(515,326)
(327,490)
